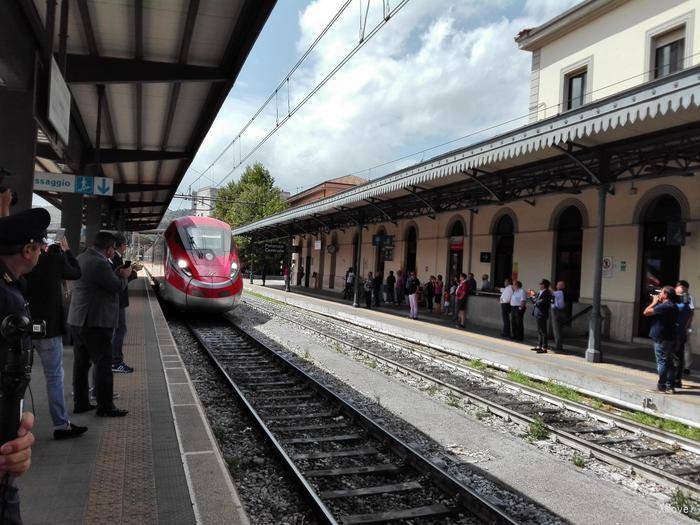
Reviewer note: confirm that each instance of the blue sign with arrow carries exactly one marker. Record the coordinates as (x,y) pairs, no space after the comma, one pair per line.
(104,186)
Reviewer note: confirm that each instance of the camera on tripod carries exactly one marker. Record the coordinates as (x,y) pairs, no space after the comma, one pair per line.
(5,173)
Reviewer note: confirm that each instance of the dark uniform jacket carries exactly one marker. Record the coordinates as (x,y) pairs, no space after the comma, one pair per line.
(45,289)
(118,262)
(12,301)
(543,302)
(95,298)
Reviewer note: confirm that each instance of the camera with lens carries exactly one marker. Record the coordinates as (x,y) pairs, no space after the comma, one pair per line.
(4,173)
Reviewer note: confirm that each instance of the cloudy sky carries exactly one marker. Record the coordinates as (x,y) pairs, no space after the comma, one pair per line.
(438,70)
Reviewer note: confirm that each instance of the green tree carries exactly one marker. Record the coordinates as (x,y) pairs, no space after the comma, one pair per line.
(252,197)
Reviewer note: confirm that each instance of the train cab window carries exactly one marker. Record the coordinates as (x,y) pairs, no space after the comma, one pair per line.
(214,240)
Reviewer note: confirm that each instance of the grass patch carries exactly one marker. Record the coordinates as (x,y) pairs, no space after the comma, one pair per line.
(482,414)
(307,355)
(372,363)
(578,460)
(453,400)
(664,424)
(550,386)
(477,364)
(233,462)
(218,431)
(431,390)
(338,348)
(684,503)
(538,430)
(263,297)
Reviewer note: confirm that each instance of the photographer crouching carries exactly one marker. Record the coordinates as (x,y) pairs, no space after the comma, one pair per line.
(21,241)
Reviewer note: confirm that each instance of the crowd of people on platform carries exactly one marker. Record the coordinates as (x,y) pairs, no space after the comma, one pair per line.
(671,311)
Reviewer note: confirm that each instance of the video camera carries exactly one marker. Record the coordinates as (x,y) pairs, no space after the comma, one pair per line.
(16,359)
(4,173)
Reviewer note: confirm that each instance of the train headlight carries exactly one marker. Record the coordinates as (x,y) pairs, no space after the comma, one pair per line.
(234,269)
(182,264)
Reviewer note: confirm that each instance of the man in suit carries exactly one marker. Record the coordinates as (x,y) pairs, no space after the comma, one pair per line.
(543,302)
(118,364)
(94,313)
(45,295)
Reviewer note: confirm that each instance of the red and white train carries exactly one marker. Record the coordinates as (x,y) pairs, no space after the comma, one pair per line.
(195,265)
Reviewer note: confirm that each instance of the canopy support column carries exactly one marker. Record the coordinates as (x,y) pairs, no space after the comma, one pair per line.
(358,261)
(593,352)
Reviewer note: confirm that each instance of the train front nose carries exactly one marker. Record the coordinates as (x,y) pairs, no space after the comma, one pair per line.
(212,293)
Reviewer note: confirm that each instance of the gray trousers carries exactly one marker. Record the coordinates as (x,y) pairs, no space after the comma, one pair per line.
(558,317)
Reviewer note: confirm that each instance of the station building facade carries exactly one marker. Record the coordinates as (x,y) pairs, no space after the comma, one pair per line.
(605,73)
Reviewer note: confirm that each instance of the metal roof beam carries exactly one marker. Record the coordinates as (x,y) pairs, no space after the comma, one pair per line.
(128,188)
(137,204)
(89,69)
(473,176)
(114,155)
(412,191)
(372,202)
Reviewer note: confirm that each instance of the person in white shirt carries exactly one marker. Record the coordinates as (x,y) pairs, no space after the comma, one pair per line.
(506,294)
(517,311)
(558,312)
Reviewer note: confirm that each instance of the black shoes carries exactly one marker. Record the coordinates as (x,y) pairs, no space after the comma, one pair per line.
(81,409)
(72,432)
(112,412)
(541,350)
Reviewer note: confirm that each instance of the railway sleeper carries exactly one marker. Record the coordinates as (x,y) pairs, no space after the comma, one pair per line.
(685,471)
(379,468)
(323,439)
(651,453)
(316,415)
(366,451)
(429,511)
(369,491)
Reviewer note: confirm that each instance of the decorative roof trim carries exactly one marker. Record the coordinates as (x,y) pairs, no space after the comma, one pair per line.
(658,98)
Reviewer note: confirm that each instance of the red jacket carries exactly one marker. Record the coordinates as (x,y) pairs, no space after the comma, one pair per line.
(462,290)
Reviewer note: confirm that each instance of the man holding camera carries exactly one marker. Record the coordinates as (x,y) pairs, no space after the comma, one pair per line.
(21,240)
(45,294)
(664,314)
(94,312)
(118,364)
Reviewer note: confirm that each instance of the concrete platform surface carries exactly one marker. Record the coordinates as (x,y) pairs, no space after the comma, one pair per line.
(619,383)
(159,464)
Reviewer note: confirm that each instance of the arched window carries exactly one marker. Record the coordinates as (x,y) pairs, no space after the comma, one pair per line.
(456,249)
(661,251)
(503,240)
(569,241)
(411,248)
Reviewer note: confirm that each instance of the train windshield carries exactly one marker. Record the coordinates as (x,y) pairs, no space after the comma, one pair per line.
(214,240)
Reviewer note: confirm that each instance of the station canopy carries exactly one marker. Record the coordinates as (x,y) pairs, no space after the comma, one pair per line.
(163,69)
(650,131)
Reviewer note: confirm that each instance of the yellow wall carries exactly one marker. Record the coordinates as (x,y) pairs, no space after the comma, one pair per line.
(534,244)
(616,43)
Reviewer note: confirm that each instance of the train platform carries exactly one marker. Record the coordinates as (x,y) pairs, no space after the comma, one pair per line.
(159,464)
(626,377)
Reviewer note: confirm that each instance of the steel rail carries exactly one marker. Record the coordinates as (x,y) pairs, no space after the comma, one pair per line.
(472,501)
(320,510)
(572,440)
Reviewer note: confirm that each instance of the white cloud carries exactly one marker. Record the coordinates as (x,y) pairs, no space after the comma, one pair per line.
(437,71)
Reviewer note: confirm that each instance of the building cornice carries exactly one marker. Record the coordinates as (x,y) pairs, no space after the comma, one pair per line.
(579,15)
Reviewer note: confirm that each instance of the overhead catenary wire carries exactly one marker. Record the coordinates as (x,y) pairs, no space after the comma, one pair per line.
(491,127)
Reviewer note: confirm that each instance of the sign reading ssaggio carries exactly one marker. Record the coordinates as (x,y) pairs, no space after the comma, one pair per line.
(67,183)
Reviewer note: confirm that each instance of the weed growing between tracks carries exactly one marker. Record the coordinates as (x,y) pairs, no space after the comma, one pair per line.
(538,430)
(684,503)
(551,387)
(578,460)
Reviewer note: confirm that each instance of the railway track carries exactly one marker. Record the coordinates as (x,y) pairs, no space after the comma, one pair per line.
(662,457)
(350,469)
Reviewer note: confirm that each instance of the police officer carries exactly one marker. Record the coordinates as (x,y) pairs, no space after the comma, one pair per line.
(21,241)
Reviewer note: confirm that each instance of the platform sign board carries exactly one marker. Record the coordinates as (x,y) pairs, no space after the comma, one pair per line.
(382,240)
(67,183)
(274,248)
(607,267)
(59,103)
